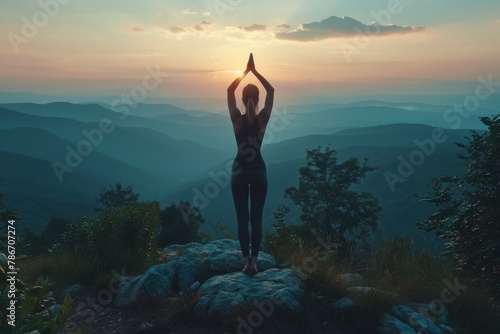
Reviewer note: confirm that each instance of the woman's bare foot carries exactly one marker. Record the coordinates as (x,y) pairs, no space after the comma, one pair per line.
(247,268)
(253,265)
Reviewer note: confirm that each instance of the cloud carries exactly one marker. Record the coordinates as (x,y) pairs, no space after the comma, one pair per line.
(199,27)
(283,26)
(254,27)
(177,29)
(334,26)
(189,12)
(137,29)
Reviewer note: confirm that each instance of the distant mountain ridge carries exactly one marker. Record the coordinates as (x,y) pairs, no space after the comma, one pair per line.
(192,128)
(171,154)
(149,150)
(218,104)
(31,189)
(283,160)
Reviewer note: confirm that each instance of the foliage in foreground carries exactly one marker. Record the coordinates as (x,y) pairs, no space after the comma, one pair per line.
(29,312)
(468,210)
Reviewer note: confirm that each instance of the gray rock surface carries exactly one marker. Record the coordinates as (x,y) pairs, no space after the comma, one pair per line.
(152,286)
(274,288)
(231,260)
(185,263)
(417,321)
(186,271)
(447,329)
(365,290)
(392,325)
(343,304)
(221,256)
(432,310)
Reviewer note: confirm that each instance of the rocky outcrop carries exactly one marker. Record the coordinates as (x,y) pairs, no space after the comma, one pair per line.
(213,273)
(151,287)
(268,290)
(413,320)
(401,319)
(226,288)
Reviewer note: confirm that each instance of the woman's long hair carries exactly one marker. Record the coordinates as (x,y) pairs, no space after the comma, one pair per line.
(251,101)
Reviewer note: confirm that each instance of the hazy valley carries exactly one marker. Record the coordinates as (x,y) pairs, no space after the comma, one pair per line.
(57,156)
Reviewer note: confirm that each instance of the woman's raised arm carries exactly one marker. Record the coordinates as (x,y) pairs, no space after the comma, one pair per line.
(265,113)
(231,98)
(234,112)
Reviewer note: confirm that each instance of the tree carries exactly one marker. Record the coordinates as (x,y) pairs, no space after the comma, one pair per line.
(468,213)
(50,236)
(54,230)
(330,208)
(180,224)
(117,197)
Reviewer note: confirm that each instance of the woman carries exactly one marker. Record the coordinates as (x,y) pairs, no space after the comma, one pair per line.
(249,170)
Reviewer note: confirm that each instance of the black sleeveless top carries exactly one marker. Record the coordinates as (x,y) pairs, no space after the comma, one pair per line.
(249,141)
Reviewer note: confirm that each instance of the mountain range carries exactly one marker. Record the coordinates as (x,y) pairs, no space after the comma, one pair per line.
(58,156)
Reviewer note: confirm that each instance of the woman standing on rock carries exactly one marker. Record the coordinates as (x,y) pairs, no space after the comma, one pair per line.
(249,170)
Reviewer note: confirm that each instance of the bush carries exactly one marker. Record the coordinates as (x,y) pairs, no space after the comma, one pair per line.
(120,237)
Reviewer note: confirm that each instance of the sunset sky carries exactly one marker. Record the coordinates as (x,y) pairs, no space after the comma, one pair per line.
(304,47)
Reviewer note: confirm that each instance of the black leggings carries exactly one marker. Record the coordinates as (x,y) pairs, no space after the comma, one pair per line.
(240,182)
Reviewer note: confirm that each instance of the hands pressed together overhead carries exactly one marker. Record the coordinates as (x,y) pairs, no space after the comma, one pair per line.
(250,65)
(265,113)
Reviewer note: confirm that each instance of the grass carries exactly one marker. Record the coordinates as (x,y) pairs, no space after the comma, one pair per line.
(474,310)
(416,276)
(65,268)
(61,269)
(400,274)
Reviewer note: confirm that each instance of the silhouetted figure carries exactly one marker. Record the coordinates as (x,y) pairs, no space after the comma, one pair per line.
(249,170)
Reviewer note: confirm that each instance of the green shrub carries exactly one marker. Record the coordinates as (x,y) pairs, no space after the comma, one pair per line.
(127,235)
(120,237)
